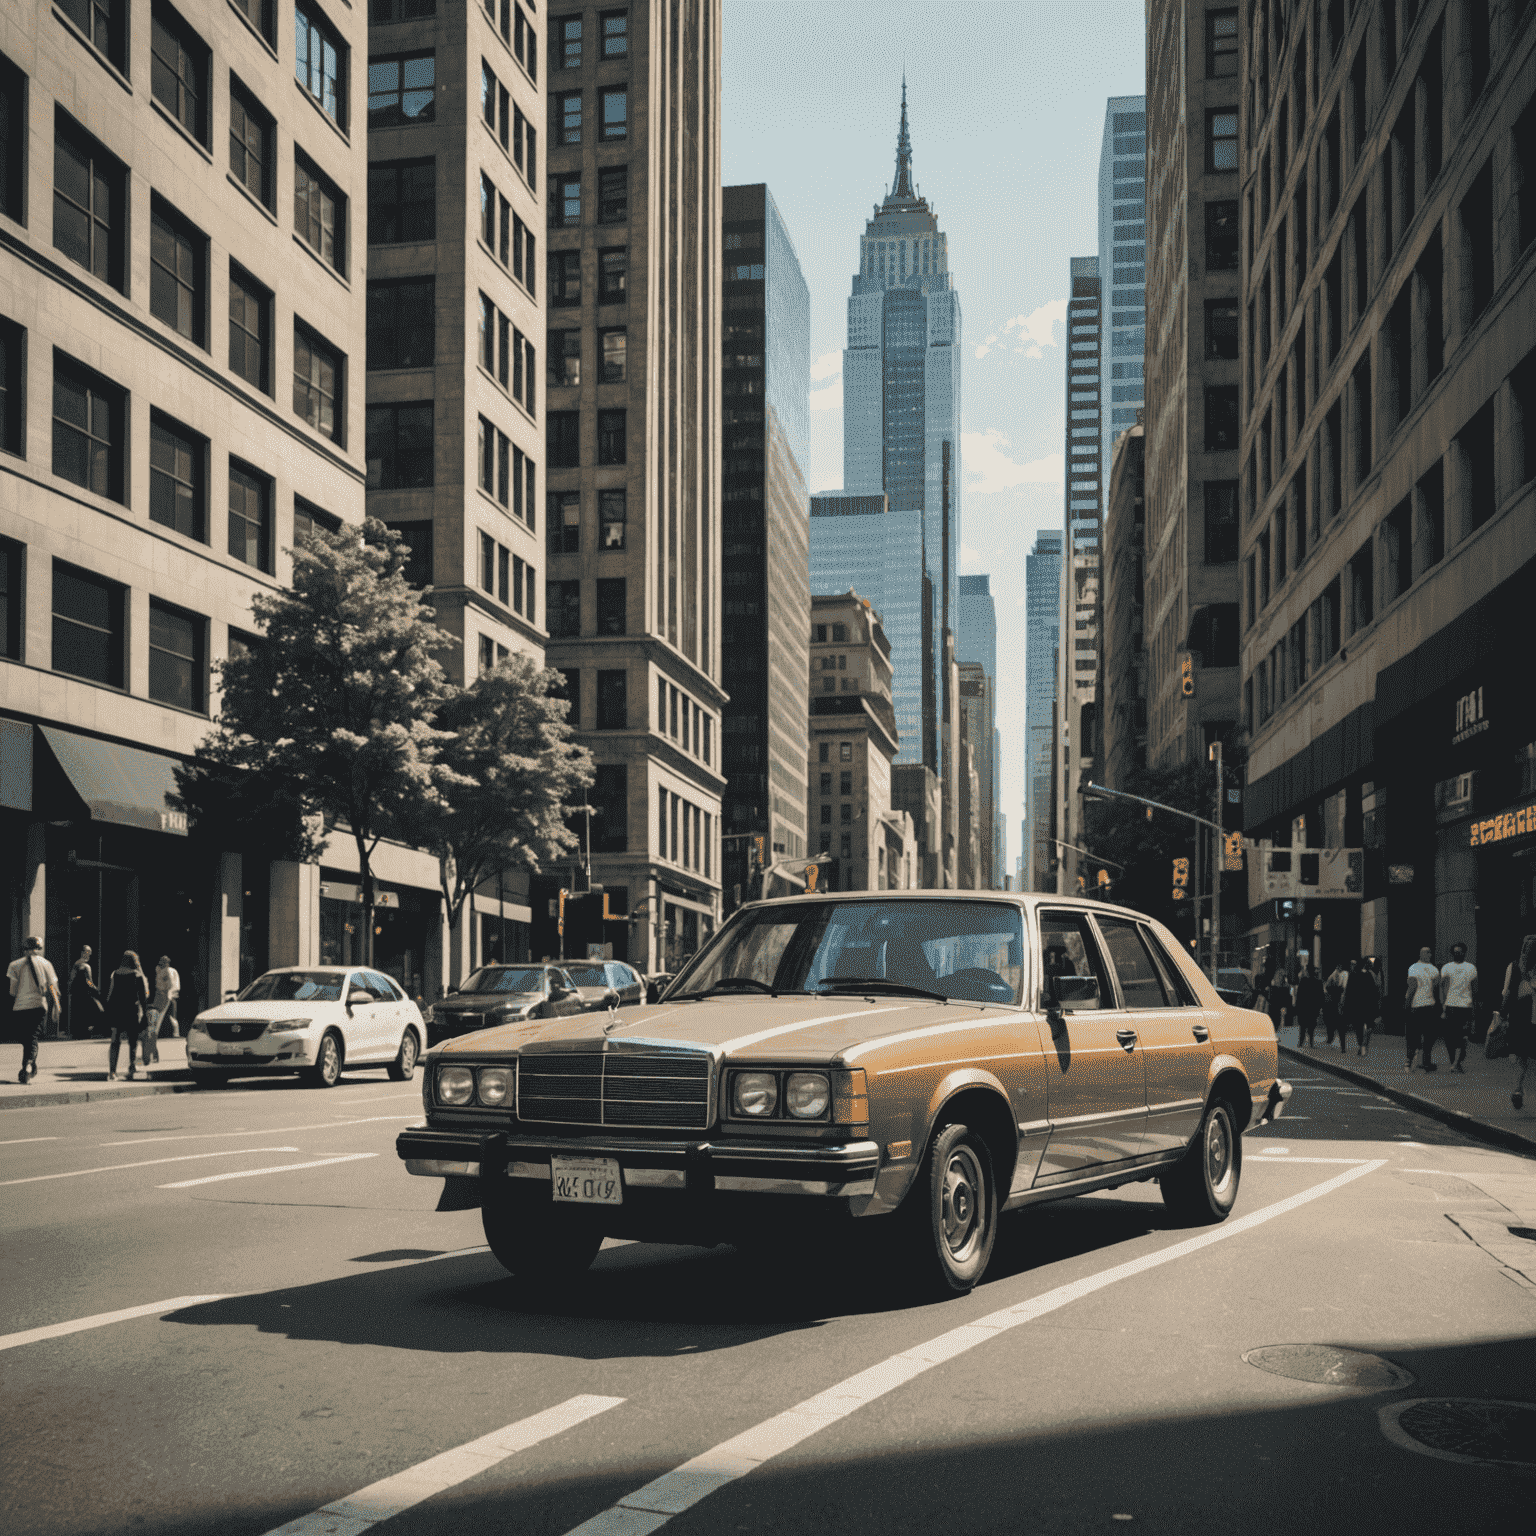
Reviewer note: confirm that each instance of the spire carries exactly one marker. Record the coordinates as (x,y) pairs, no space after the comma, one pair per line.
(903,184)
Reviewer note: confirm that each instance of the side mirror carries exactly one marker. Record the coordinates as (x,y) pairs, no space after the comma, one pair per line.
(1063,992)
(357,995)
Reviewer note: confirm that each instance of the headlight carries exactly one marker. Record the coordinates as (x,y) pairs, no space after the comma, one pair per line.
(455,1085)
(755,1094)
(807,1095)
(289,1024)
(494,1085)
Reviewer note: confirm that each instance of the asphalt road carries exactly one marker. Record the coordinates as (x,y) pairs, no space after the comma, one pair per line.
(330,1333)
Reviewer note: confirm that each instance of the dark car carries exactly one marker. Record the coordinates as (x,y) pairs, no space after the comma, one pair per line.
(655,984)
(599,980)
(503,994)
(1234,986)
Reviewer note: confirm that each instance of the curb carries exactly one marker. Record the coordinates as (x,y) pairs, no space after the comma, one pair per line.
(47,1100)
(1469,1125)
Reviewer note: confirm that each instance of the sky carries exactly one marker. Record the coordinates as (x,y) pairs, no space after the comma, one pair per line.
(1005,102)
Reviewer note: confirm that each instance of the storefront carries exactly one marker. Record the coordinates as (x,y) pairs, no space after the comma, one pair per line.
(405,922)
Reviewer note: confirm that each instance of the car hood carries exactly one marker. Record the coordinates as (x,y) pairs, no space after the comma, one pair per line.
(273,1010)
(744,1028)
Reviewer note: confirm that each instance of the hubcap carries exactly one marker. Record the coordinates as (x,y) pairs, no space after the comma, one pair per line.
(962,1199)
(1218,1151)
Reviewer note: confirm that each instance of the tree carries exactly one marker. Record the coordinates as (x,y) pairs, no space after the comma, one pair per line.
(509,771)
(335,706)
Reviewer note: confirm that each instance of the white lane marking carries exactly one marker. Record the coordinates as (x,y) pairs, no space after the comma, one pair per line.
(650,1507)
(251,1173)
(1450,1173)
(100,1320)
(277,1130)
(362,1510)
(1348,1162)
(153,1162)
(788,1029)
(25,1140)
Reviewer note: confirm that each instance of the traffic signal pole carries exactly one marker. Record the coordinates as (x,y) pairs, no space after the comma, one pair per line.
(1218,861)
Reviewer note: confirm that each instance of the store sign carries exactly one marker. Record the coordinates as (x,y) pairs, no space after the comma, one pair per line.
(1470,719)
(334,890)
(1324,874)
(174,821)
(1505,827)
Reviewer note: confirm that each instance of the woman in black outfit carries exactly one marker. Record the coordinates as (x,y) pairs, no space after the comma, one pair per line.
(1515,1005)
(126,997)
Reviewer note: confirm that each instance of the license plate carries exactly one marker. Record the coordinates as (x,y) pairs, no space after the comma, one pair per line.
(587,1180)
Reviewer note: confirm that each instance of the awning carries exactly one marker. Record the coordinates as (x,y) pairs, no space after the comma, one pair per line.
(15,765)
(119,784)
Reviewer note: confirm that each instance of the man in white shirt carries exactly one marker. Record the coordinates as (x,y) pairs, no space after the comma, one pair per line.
(34,988)
(1421,1008)
(1458,988)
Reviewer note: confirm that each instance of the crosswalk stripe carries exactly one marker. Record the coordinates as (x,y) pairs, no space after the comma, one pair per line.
(188,1157)
(101,1319)
(364,1509)
(251,1173)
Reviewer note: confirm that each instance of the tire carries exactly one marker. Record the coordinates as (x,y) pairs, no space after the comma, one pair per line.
(951,1211)
(537,1242)
(326,1072)
(403,1068)
(1202,1187)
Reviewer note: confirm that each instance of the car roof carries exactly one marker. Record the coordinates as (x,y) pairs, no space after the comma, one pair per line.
(309,970)
(1021,899)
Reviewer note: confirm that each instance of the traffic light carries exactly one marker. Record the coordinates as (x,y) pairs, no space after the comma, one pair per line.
(1103,881)
(1232,851)
(759,849)
(811,871)
(1187,676)
(560,926)
(1082,886)
(1180,879)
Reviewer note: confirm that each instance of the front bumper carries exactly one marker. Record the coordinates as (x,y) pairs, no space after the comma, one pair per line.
(839,1170)
(291,1052)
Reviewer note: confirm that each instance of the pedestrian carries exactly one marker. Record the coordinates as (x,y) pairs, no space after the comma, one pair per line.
(84,999)
(126,997)
(167,989)
(1421,1009)
(1333,1002)
(34,989)
(1458,987)
(1362,1007)
(1308,1005)
(1278,999)
(1515,1006)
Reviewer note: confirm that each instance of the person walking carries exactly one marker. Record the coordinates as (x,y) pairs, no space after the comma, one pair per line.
(34,988)
(1362,1007)
(1308,1006)
(126,997)
(1515,1006)
(1421,1009)
(1278,999)
(1333,1003)
(84,999)
(167,989)
(1458,988)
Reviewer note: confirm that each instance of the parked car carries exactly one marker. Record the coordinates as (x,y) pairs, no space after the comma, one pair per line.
(1235,986)
(655,984)
(313,1020)
(504,994)
(926,1060)
(598,980)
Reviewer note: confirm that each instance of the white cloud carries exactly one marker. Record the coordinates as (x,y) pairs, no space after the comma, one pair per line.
(830,398)
(826,365)
(1028,335)
(986,346)
(990,469)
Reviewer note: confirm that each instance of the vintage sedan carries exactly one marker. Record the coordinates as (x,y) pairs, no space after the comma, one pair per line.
(504,994)
(607,983)
(908,1064)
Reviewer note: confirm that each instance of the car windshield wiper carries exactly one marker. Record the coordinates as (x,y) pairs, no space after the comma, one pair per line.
(732,984)
(878,984)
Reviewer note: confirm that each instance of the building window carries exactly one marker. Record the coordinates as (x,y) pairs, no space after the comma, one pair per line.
(402,202)
(176,647)
(399,446)
(564,202)
(611,434)
(319,212)
(401,323)
(417,544)
(13,375)
(1221,236)
(615,26)
(845,751)
(317,382)
(615,356)
(308,518)
(1362,588)
(177,478)
(89,430)
(320,64)
(177,254)
(178,71)
(610,605)
(566,127)
(88,206)
(564,279)
(12,599)
(564,359)
(250,516)
(250,314)
(570,689)
(488,562)
(525,42)
(1221,327)
(1221,424)
(613,194)
(564,439)
(565,522)
(612,276)
(1221,140)
(402,91)
(383,13)
(87,626)
(562,609)
(104,24)
(1220,522)
(568,31)
(615,126)
(610,797)
(611,512)
(612,700)
(1220,44)
(251,137)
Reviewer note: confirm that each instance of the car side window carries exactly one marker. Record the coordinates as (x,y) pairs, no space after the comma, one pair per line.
(381,987)
(1070,955)
(1174,979)
(1141,983)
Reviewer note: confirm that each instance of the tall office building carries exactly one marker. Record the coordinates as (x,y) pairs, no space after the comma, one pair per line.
(901,438)
(1122,638)
(1042,638)
(633,444)
(1192,426)
(181,359)
(1122,265)
(455,185)
(976,641)
(765,533)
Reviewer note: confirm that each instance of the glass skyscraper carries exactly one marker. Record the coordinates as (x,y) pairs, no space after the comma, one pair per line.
(1042,631)
(1123,265)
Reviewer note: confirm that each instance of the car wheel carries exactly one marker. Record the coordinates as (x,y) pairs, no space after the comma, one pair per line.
(326,1072)
(403,1068)
(534,1240)
(1202,1188)
(952,1211)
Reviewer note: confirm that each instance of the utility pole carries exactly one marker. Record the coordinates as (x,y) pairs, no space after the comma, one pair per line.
(1218,862)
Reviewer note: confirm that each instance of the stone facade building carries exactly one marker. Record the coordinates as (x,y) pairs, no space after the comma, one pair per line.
(1123,663)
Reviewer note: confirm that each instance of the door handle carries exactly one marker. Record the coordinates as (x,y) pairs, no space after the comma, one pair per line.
(1201,1033)
(1127,1038)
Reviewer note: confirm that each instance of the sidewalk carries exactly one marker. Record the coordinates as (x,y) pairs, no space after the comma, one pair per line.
(75,1072)
(1476,1101)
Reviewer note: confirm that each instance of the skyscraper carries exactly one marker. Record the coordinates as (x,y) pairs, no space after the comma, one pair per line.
(766,382)
(1042,636)
(976,641)
(1122,265)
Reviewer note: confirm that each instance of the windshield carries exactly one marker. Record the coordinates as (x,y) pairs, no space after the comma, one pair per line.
(587,975)
(505,978)
(295,987)
(968,950)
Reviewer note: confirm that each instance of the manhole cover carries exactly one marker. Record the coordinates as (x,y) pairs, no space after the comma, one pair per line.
(1473,1430)
(1330,1366)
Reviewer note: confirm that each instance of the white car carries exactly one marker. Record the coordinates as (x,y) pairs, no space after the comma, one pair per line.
(313,1020)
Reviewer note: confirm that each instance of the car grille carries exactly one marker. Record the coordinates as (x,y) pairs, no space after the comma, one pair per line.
(643,1088)
(460,1021)
(236,1029)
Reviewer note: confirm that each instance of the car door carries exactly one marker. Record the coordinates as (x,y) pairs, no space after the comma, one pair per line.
(1096,1096)
(1171,1031)
(390,1013)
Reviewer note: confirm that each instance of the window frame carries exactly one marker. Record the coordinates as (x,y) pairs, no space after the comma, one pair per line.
(1212,140)
(195,659)
(612,427)
(115,629)
(243,282)
(13,388)
(113,447)
(107,262)
(561,202)
(261,485)
(103,27)
(321,185)
(398,170)
(607,499)
(413,343)
(383,417)
(380,117)
(168,29)
(307,14)
(610,212)
(165,430)
(320,352)
(606,133)
(607,270)
(254,115)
